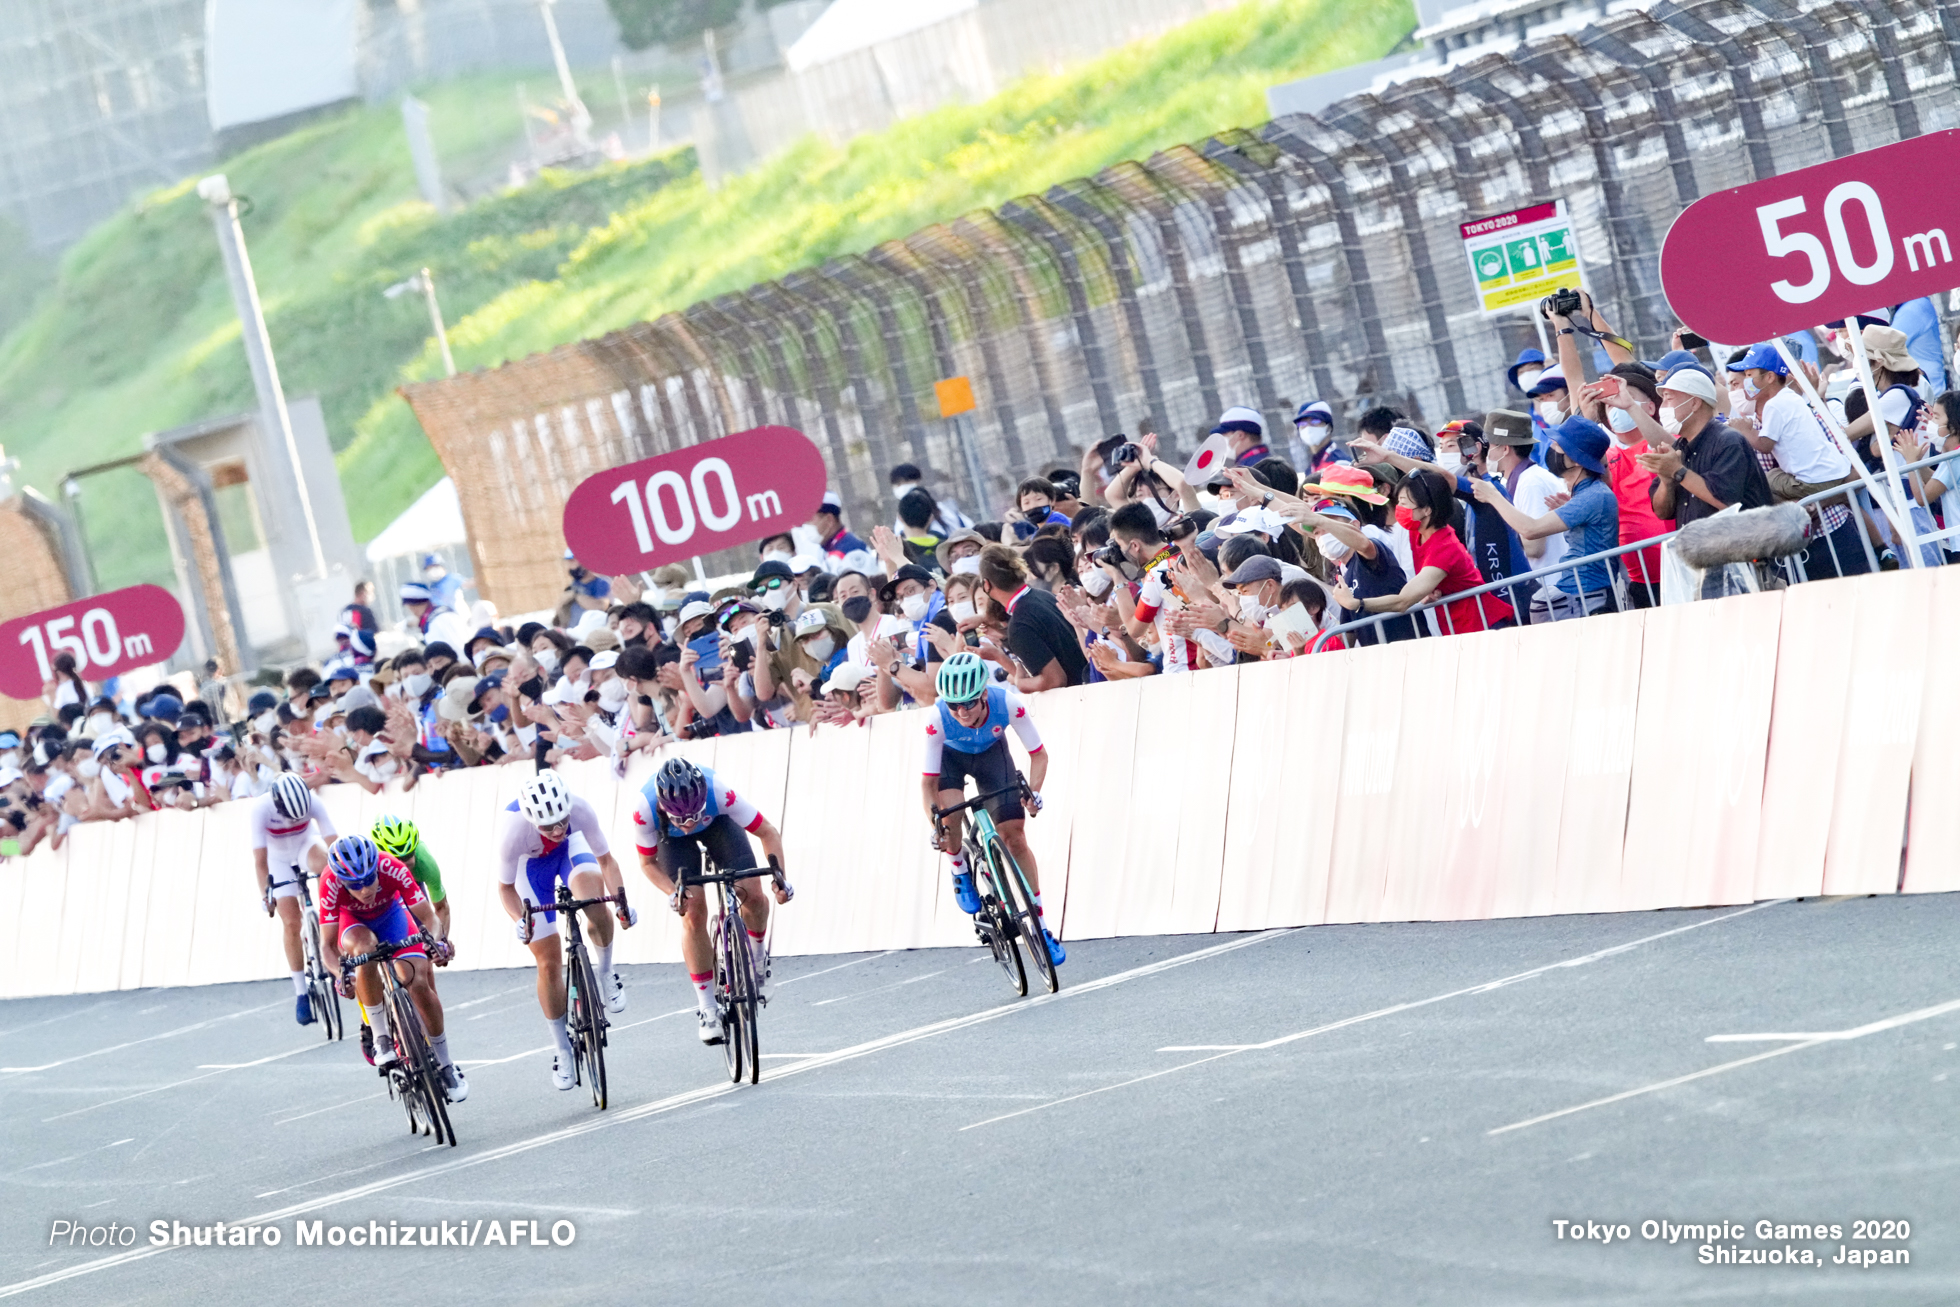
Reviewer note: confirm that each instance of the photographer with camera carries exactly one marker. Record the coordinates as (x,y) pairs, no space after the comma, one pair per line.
(1136,474)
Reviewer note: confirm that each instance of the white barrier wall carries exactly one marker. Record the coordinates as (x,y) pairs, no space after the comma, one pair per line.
(1758,747)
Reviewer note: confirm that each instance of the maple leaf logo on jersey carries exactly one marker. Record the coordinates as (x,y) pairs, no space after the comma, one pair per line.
(1018,712)
(932,730)
(638,819)
(728,799)
(996,730)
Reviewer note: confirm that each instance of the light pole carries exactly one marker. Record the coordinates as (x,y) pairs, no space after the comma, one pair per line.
(581,117)
(216,192)
(426,283)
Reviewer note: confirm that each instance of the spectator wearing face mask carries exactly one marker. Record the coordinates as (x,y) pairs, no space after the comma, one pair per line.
(1035,498)
(1042,651)
(1588,517)
(1523,374)
(960,552)
(1133,530)
(815,646)
(945,517)
(1313,423)
(445,588)
(1524,483)
(1700,465)
(1443,566)
(1353,535)
(427,622)
(1246,431)
(1777,422)
(117,790)
(907,662)
(1616,397)
(828,521)
(1551,400)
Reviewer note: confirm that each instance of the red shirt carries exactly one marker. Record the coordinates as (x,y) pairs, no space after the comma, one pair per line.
(1444,550)
(1629,482)
(339,908)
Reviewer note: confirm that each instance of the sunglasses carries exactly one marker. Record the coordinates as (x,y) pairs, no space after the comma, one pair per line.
(773,583)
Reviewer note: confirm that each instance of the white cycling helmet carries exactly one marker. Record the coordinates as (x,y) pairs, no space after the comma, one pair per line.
(290,797)
(545,801)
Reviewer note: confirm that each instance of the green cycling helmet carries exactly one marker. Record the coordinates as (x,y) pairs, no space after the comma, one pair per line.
(963,678)
(396,838)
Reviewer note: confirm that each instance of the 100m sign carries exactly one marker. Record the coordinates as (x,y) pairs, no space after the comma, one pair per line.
(711,496)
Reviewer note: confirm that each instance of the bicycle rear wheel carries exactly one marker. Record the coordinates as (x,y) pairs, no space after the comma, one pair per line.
(732,1048)
(1019,900)
(589,1036)
(996,925)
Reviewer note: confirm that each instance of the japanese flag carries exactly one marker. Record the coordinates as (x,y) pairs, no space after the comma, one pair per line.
(1209,463)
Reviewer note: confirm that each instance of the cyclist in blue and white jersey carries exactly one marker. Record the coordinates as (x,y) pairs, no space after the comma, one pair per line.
(966,735)
(681,810)
(548,835)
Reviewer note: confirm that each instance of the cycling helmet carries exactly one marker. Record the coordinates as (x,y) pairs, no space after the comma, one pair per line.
(396,838)
(290,797)
(963,678)
(355,860)
(683,790)
(545,801)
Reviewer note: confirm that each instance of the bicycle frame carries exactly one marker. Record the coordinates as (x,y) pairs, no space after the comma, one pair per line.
(738,987)
(585,1011)
(414,1072)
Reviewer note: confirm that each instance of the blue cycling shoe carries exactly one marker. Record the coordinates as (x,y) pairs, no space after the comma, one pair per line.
(303,1010)
(964,891)
(1056,953)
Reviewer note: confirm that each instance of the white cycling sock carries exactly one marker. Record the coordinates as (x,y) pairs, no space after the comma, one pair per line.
(377,1017)
(959,864)
(702,998)
(439,1045)
(1038,912)
(299,982)
(562,1035)
(602,962)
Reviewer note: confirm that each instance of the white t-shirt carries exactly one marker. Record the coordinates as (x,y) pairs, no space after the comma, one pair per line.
(1803,449)
(1535,487)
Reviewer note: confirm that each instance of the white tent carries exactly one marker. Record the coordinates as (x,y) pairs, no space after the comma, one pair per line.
(852,25)
(432,523)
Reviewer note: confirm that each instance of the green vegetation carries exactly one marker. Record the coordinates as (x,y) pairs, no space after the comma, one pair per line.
(138,334)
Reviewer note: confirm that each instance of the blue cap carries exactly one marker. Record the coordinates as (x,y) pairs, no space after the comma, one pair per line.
(1583,441)
(432,560)
(1674,358)
(1525,357)
(9,739)
(1552,378)
(166,706)
(1762,356)
(263,701)
(1314,408)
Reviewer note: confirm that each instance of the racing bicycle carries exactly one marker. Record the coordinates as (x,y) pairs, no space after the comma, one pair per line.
(414,1077)
(585,995)
(320,988)
(1007,911)
(738,989)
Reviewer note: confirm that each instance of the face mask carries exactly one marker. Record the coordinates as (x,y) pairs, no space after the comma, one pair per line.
(900,489)
(1254,612)
(1671,420)
(963,610)
(156,753)
(1750,389)
(1097,583)
(11,758)
(1527,379)
(100,722)
(822,647)
(1405,518)
(753,634)
(857,608)
(775,600)
(1619,419)
(1449,460)
(1334,551)
(968,566)
(1550,412)
(777,555)
(417,685)
(1494,466)
(89,767)
(1556,462)
(914,607)
(434,573)
(547,659)
(612,695)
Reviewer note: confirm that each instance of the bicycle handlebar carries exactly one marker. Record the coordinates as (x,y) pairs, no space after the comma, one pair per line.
(683,882)
(382,952)
(574,905)
(1020,784)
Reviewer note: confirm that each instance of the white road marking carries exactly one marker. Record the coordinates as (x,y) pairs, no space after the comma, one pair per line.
(855,962)
(485,999)
(499,1061)
(74,1156)
(1808,1041)
(175,1084)
(1777,1039)
(168,1034)
(656,1108)
(1206,1048)
(1485,988)
(881,989)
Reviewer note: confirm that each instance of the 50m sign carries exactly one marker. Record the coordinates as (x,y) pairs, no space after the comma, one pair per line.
(710,496)
(106,635)
(1866,231)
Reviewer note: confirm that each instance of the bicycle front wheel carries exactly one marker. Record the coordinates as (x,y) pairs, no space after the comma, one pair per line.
(590,1038)
(324,996)
(996,923)
(726,991)
(1018,899)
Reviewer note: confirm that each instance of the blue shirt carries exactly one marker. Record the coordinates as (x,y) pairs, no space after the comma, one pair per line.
(1920,322)
(976,739)
(1592,521)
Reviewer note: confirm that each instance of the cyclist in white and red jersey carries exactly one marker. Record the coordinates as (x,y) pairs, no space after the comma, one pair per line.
(289,827)
(366,897)
(550,834)
(683,809)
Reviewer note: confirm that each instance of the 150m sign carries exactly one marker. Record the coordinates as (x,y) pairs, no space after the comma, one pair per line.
(1866,231)
(106,635)
(694,501)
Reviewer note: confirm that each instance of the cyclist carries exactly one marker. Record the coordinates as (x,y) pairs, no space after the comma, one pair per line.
(366,897)
(289,827)
(549,834)
(968,737)
(400,840)
(681,810)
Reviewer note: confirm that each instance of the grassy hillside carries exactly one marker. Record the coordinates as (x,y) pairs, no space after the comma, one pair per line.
(138,333)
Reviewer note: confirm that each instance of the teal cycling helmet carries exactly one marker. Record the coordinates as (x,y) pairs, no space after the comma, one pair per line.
(962,678)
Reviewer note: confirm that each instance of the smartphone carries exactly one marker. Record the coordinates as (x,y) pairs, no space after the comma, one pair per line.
(1692,340)
(1610,385)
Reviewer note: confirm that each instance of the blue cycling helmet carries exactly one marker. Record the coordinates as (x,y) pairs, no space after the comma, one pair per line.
(682,789)
(355,860)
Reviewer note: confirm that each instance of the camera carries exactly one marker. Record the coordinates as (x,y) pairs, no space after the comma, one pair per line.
(1180,526)
(1115,451)
(1110,555)
(700,728)
(1563,303)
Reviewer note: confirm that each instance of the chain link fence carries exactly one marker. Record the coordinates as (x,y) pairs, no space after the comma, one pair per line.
(1314,257)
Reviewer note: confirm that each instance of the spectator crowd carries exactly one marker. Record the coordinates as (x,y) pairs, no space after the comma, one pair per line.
(1258,546)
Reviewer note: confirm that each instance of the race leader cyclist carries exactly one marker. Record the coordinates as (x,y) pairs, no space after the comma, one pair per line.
(400,840)
(968,737)
(367,897)
(681,810)
(550,835)
(289,824)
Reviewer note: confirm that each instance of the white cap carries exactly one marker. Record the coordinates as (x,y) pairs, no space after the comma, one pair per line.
(806,563)
(600,662)
(591,620)
(1690,381)
(8,775)
(848,676)
(809,622)
(1240,413)
(118,736)
(698,608)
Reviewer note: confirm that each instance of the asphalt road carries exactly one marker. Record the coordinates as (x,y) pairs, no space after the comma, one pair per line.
(1369,1119)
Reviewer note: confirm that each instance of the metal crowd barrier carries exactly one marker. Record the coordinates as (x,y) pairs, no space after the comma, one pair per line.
(1858,500)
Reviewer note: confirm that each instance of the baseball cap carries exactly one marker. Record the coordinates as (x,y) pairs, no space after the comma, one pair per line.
(1259,567)
(9,739)
(8,775)
(809,622)
(888,592)
(1240,418)
(694,608)
(806,563)
(439,649)
(432,560)
(1312,409)
(1762,356)
(774,567)
(414,592)
(832,502)
(108,738)
(1505,426)
(1552,378)
(1691,381)
(602,662)
(848,676)
(484,684)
